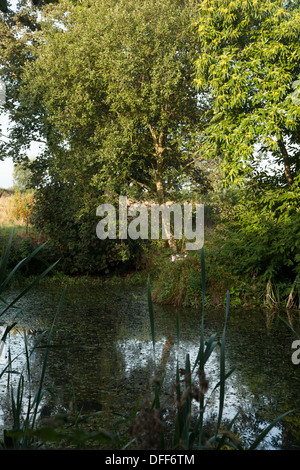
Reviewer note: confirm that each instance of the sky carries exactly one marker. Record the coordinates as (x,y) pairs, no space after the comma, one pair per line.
(6,174)
(6,166)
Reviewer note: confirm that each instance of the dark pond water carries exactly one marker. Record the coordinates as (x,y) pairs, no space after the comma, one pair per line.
(108,360)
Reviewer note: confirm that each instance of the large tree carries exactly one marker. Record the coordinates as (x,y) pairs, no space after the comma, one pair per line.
(109,87)
(249,62)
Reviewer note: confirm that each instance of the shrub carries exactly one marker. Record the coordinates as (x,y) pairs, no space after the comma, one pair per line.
(21,206)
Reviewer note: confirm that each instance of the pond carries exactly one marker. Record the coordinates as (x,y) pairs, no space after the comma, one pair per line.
(107,360)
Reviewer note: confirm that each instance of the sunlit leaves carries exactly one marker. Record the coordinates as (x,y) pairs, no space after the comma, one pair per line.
(116,79)
(249,60)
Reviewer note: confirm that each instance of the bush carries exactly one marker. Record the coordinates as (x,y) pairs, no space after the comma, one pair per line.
(179,283)
(21,206)
(261,235)
(67,217)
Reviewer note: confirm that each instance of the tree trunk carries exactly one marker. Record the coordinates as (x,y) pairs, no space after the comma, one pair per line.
(286,161)
(159,177)
(161,193)
(159,149)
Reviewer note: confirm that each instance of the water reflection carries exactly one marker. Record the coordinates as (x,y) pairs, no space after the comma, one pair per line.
(239,398)
(109,358)
(17,361)
(3,348)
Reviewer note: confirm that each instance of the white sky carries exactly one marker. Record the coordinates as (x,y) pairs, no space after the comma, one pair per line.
(6,166)
(6,174)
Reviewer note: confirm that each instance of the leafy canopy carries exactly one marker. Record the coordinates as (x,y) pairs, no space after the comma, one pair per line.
(109,87)
(249,62)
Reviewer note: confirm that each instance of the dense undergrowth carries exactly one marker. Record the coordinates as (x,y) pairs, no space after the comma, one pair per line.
(175,282)
(252,250)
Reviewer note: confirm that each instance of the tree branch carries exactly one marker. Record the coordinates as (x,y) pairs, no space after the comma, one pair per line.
(286,161)
(142,184)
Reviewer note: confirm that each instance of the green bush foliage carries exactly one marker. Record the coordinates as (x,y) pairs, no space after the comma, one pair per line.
(67,217)
(261,234)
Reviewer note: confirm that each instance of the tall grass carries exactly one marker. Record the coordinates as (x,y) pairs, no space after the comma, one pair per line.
(188,428)
(25,401)
(15,208)
(24,422)
(21,422)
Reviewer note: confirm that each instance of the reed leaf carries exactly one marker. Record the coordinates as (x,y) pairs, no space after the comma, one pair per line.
(151,313)
(187,404)
(267,429)
(177,329)
(4,258)
(290,327)
(39,393)
(222,367)
(178,421)
(7,330)
(200,421)
(22,263)
(28,288)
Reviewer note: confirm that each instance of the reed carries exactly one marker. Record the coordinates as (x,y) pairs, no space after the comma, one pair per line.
(188,430)
(22,422)
(26,431)
(188,426)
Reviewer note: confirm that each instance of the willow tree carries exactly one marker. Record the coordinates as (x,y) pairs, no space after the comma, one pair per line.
(249,64)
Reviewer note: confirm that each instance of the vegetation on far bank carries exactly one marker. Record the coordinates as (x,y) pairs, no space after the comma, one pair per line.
(176,279)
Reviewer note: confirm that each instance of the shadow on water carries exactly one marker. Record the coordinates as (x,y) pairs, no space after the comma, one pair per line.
(108,360)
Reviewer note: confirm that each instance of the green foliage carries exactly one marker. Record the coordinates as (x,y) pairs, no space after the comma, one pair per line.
(262,234)
(21,178)
(71,231)
(249,66)
(249,63)
(108,89)
(7,274)
(3,6)
(178,282)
